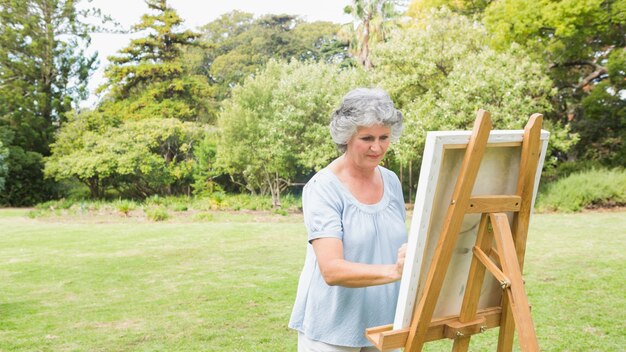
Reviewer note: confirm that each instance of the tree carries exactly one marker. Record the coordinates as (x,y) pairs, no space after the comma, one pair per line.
(275,126)
(602,128)
(440,71)
(319,42)
(149,78)
(238,46)
(205,173)
(578,41)
(136,158)
(72,151)
(140,139)
(419,8)
(372,19)
(43,72)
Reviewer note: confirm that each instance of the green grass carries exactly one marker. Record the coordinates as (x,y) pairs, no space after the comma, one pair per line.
(228,284)
(575,276)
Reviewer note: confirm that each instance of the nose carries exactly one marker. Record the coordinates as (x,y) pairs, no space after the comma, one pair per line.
(375,147)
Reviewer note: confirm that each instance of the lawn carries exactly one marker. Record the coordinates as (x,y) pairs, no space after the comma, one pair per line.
(228,284)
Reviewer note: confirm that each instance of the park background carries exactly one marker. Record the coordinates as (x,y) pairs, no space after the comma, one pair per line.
(165,215)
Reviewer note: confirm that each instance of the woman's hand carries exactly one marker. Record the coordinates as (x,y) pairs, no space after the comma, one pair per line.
(400,262)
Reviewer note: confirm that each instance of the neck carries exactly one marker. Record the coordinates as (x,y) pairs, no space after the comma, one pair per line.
(345,165)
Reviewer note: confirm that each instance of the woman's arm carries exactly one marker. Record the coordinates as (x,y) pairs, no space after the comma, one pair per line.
(339,272)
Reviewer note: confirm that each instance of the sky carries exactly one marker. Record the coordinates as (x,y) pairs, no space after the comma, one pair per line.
(196,13)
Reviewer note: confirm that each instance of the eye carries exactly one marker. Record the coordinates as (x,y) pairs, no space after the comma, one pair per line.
(384,138)
(367,138)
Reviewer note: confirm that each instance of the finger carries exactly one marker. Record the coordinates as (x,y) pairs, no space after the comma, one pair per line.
(402,250)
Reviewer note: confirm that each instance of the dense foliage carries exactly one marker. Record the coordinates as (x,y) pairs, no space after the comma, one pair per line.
(440,70)
(594,188)
(581,45)
(236,45)
(275,126)
(580,41)
(243,103)
(137,158)
(43,72)
(149,78)
(136,142)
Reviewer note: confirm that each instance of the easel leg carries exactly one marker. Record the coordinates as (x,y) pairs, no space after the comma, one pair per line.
(474,284)
(516,296)
(423,312)
(507,327)
(461,344)
(531,149)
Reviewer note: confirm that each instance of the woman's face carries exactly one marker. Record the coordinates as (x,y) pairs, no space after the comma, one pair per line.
(368,145)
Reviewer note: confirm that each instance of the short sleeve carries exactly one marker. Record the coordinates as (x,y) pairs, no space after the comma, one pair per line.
(322,207)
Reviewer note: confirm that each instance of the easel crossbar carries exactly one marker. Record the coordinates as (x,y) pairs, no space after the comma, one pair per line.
(384,337)
(497,203)
(493,269)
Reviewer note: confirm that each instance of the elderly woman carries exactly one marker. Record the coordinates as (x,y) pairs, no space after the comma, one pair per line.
(355,218)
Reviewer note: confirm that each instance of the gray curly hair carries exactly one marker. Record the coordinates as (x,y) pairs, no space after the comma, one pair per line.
(364,107)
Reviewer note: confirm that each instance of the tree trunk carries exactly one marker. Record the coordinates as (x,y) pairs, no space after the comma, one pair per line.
(47,76)
(94,187)
(274,183)
(364,56)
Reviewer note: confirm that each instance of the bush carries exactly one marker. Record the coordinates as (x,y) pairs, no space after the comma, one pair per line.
(24,183)
(159,208)
(125,206)
(62,203)
(137,158)
(281,212)
(204,217)
(157,214)
(589,189)
(567,168)
(256,202)
(173,203)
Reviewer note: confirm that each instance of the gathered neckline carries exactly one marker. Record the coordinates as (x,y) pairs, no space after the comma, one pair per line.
(369,208)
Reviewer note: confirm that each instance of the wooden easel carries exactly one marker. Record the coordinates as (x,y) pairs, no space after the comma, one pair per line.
(505,262)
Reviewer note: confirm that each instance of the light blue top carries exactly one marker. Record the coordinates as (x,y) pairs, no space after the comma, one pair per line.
(371,234)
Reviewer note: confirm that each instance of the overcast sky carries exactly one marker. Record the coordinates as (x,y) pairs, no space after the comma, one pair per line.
(197,13)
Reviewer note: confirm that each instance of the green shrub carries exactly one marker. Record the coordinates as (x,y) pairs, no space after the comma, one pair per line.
(156,206)
(204,217)
(125,206)
(180,204)
(35,213)
(282,212)
(55,204)
(157,214)
(593,188)
(255,202)
(173,203)
(567,168)
(154,200)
